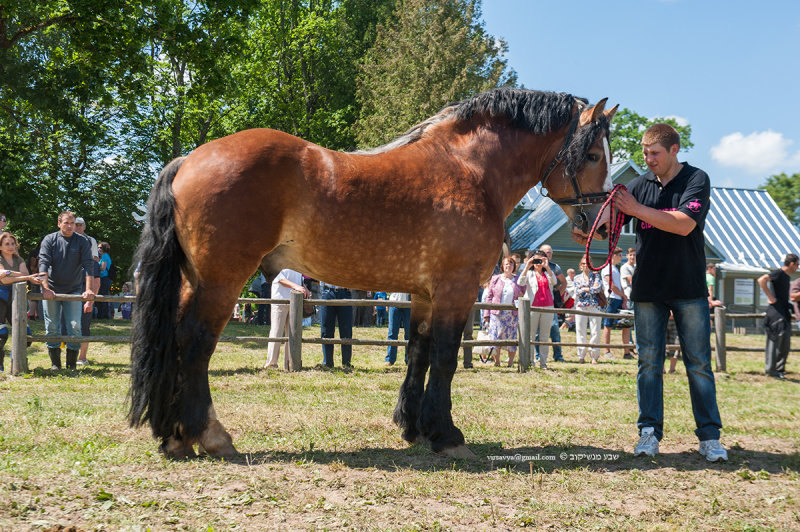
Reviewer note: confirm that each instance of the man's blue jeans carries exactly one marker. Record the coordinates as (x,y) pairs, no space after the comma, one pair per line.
(398,317)
(694,331)
(555,336)
(73,312)
(328,317)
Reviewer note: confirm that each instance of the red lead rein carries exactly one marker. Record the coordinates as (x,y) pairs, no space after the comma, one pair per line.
(617,221)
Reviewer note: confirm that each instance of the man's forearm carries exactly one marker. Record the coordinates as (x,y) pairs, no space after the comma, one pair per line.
(669,221)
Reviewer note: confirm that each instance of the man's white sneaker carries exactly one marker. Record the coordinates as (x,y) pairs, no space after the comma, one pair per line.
(648,443)
(713,451)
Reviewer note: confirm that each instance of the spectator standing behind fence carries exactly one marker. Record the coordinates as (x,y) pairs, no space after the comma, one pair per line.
(587,285)
(672,338)
(711,282)
(86,315)
(126,307)
(558,301)
(282,286)
(503,288)
(794,296)
(80,228)
(65,256)
(104,310)
(616,301)
(12,270)
(778,323)
(539,279)
(33,267)
(670,203)
(329,316)
(626,276)
(398,317)
(380,312)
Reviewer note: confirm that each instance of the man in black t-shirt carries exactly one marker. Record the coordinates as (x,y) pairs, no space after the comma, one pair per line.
(670,203)
(778,323)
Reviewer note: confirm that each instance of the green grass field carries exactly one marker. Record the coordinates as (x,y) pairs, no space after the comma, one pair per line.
(318,449)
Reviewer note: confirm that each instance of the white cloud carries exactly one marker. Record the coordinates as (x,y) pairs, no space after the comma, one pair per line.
(759,152)
(681,121)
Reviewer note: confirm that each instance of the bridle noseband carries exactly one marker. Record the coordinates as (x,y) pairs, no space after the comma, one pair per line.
(579,200)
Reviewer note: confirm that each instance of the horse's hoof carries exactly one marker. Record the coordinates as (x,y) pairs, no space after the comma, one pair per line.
(176,450)
(216,441)
(225,451)
(460,451)
(412,436)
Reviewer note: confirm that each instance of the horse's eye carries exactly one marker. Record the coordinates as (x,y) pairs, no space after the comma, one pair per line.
(593,157)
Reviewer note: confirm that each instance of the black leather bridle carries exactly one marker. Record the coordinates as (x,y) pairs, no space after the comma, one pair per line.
(579,200)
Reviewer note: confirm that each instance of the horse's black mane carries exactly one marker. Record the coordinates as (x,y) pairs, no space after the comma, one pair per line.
(537,111)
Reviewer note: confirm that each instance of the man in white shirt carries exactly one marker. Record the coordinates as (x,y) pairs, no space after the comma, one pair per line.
(626,274)
(282,286)
(612,283)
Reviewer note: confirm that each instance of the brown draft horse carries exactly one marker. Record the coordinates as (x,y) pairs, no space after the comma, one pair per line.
(430,204)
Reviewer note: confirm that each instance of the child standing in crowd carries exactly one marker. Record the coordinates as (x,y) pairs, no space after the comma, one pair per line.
(126,307)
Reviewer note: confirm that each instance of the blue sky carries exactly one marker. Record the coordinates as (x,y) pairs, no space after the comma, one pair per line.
(729,68)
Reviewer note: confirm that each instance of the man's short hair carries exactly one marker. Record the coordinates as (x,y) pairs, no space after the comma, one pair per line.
(790,259)
(631,250)
(710,265)
(663,134)
(65,214)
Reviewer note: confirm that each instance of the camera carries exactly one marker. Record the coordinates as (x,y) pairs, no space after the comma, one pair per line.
(537,261)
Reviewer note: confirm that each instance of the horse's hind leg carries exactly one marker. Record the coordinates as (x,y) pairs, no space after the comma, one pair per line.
(201,317)
(450,311)
(406,413)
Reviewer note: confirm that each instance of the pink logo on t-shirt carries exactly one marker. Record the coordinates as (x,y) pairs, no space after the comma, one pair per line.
(694,206)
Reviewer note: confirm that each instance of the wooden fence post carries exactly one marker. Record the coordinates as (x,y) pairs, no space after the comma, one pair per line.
(720,329)
(468,336)
(294,360)
(524,338)
(19,332)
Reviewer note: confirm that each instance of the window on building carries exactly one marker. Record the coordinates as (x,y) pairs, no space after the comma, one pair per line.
(629,228)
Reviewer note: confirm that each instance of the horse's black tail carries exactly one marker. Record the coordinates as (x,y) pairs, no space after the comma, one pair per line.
(154,352)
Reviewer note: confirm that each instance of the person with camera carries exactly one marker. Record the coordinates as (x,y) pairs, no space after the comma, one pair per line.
(539,280)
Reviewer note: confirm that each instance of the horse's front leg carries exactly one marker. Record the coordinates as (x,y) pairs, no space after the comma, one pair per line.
(406,413)
(435,420)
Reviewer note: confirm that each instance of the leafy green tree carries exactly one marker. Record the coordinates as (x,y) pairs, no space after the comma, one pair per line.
(61,64)
(301,60)
(429,54)
(72,131)
(785,190)
(627,130)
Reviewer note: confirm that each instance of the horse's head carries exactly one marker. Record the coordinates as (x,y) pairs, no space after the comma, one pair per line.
(579,177)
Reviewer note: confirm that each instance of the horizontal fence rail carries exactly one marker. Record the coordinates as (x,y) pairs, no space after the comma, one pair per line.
(295,339)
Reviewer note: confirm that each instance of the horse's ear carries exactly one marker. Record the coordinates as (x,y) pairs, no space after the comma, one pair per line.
(611,112)
(592,114)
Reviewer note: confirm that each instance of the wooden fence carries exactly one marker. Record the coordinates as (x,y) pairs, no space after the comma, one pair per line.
(295,339)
